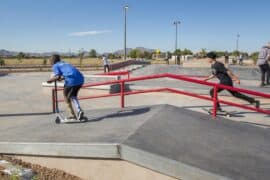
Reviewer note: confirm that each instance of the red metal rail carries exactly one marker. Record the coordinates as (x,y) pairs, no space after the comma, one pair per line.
(216,86)
(117,73)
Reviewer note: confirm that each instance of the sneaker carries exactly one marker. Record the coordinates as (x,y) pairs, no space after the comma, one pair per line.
(80,115)
(262,85)
(256,103)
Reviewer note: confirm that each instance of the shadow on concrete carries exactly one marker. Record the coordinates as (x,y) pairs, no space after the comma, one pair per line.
(121,113)
(256,124)
(3,74)
(26,114)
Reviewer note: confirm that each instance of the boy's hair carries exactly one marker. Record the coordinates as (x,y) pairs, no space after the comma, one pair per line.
(211,55)
(55,58)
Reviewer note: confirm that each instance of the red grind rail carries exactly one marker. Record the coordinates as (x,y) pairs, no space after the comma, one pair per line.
(117,73)
(216,86)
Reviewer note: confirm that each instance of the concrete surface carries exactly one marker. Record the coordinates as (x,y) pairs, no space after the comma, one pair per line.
(244,72)
(185,141)
(171,140)
(98,169)
(227,148)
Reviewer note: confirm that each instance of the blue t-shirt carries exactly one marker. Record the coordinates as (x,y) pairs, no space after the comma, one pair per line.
(73,76)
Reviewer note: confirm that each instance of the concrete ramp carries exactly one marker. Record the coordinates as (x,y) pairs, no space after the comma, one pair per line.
(243,72)
(222,147)
(174,141)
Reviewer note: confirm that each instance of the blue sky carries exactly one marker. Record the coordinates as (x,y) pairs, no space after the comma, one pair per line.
(63,25)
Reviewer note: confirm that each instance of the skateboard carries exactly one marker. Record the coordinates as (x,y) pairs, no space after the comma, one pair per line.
(219,113)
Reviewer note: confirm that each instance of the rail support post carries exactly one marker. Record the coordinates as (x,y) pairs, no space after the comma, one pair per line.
(215,100)
(53,100)
(122,94)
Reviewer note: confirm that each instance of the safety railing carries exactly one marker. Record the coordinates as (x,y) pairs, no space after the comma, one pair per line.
(117,73)
(214,100)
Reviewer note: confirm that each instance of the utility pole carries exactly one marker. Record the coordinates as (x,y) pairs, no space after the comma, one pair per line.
(176,32)
(125,33)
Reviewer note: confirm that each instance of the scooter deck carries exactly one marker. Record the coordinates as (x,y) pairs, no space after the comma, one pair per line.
(60,120)
(220,113)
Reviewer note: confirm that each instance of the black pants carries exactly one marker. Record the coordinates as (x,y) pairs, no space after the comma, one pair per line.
(234,93)
(71,91)
(265,71)
(106,68)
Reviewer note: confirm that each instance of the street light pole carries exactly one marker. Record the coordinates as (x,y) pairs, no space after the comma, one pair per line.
(125,33)
(237,41)
(176,32)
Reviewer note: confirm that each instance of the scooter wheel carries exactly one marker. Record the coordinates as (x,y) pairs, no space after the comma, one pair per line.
(57,120)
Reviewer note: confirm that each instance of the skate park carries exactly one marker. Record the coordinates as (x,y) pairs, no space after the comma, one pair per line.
(159,130)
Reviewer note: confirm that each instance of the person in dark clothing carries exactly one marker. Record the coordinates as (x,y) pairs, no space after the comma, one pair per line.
(226,77)
(226,58)
(262,62)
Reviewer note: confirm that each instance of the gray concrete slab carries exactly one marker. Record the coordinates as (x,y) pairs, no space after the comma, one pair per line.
(71,150)
(244,72)
(26,121)
(223,147)
(104,126)
(249,77)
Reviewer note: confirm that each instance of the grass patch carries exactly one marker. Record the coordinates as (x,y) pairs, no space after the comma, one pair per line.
(42,61)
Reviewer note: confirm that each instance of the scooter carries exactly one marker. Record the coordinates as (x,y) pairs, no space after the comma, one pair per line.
(60,118)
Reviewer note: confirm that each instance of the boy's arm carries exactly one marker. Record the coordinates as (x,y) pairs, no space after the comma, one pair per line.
(55,78)
(210,77)
(234,77)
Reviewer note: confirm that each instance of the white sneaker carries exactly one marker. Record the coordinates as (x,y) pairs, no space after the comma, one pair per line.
(80,115)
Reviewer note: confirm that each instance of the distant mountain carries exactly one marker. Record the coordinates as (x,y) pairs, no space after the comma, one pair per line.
(6,53)
(145,49)
(119,52)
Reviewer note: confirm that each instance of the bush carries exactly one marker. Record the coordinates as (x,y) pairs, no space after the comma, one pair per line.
(2,62)
(44,61)
(254,57)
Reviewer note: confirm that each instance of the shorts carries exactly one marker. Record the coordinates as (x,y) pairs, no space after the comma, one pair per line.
(71,91)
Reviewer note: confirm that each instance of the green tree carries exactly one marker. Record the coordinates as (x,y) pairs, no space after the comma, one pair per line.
(20,55)
(136,53)
(44,61)
(254,57)
(147,55)
(186,52)
(92,53)
(139,54)
(81,55)
(2,61)
(220,53)
(235,53)
(132,53)
(111,56)
(177,52)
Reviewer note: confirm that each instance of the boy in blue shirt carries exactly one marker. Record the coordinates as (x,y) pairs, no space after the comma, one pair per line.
(73,82)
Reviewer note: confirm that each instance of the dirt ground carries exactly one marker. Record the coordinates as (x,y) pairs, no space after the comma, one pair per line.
(98,169)
(42,173)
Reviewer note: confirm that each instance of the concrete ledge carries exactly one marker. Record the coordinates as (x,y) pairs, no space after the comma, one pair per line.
(62,149)
(166,166)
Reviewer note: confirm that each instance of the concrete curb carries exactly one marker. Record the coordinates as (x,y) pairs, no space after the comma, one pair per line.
(110,151)
(165,165)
